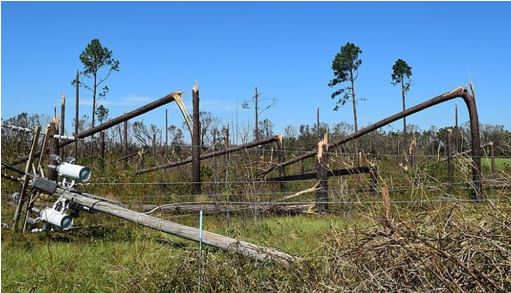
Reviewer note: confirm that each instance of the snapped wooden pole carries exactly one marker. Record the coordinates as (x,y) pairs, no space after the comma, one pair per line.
(112,122)
(386,204)
(492,155)
(196,147)
(450,171)
(322,176)
(469,99)
(211,155)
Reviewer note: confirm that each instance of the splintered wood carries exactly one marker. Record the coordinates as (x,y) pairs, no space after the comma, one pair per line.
(386,203)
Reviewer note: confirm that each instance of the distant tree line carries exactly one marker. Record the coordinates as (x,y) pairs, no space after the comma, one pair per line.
(299,138)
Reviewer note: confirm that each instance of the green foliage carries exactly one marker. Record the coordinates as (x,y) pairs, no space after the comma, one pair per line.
(95,56)
(345,66)
(401,73)
(102,113)
(266,128)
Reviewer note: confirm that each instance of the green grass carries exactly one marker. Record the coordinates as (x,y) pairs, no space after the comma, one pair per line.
(109,255)
(74,263)
(500,163)
(120,257)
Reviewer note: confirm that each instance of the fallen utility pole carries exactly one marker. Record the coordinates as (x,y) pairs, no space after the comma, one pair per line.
(112,122)
(213,154)
(190,233)
(460,92)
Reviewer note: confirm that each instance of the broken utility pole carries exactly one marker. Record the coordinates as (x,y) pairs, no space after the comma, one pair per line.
(190,233)
(461,92)
(127,116)
(196,147)
(322,176)
(450,170)
(211,155)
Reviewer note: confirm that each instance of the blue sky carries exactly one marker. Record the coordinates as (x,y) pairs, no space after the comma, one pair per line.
(283,48)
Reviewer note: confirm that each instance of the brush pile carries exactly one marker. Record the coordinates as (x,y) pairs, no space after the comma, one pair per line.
(455,249)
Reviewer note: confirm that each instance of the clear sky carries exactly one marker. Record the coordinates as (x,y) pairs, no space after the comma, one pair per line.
(283,48)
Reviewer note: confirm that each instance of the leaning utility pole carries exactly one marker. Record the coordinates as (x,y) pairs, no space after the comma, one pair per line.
(112,122)
(26,179)
(468,97)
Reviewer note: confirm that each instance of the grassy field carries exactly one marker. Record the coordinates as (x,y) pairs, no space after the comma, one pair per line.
(108,255)
(500,163)
(432,243)
(115,258)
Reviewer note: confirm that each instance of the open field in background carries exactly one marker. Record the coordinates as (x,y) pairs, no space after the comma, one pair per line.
(500,163)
